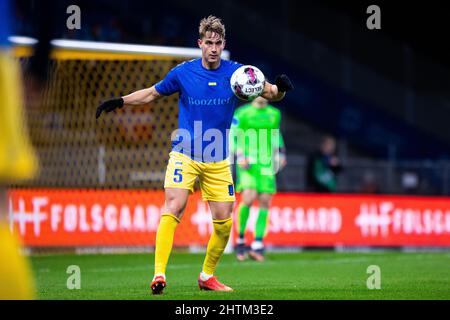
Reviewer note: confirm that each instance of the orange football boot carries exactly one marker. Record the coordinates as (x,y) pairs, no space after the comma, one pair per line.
(158,285)
(212,284)
(256,255)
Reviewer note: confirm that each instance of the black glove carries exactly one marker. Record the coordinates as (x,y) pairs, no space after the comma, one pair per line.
(283,83)
(108,106)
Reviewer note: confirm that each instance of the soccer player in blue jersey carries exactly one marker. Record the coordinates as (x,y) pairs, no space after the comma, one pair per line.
(199,147)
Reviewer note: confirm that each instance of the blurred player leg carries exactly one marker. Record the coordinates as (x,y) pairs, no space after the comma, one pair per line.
(246,184)
(266,188)
(248,196)
(257,247)
(17,162)
(16,280)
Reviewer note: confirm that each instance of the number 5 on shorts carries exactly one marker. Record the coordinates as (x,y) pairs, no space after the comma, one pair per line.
(178,177)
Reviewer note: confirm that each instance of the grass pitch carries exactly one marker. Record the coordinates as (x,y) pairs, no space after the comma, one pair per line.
(292,276)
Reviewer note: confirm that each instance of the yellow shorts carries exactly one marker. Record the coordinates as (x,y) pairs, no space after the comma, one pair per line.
(216,181)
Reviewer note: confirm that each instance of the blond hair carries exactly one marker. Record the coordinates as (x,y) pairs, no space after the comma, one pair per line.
(212,24)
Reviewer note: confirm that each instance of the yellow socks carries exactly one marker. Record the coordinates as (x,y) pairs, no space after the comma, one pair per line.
(164,241)
(15,277)
(217,244)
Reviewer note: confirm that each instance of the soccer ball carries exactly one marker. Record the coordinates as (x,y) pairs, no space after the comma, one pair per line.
(247,82)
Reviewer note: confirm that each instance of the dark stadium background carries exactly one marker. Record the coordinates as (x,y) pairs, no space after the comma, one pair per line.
(384,94)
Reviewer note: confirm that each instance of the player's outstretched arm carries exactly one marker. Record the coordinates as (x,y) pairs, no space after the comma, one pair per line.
(136,98)
(277,91)
(141,97)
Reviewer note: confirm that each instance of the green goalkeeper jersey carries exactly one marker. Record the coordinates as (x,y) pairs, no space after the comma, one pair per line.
(255,133)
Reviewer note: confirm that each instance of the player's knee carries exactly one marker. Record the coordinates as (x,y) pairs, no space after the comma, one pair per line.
(175,207)
(249,201)
(249,196)
(175,201)
(264,205)
(221,210)
(223,228)
(264,201)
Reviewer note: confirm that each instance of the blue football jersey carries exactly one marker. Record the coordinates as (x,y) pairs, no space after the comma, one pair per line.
(206,107)
(5,12)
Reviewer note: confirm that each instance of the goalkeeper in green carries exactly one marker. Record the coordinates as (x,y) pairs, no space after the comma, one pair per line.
(260,153)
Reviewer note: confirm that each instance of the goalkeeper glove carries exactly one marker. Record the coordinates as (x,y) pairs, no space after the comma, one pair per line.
(108,106)
(283,83)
